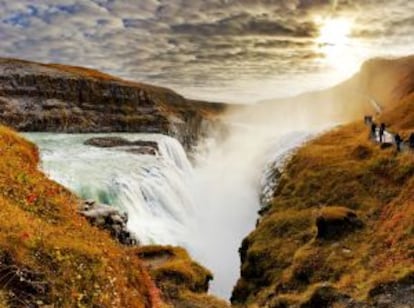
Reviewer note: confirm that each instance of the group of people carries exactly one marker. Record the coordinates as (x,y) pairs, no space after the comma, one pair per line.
(378,134)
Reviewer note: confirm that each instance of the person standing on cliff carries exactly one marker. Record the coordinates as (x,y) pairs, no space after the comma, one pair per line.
(411,141)
(398,141)
(381,132)
(373,130)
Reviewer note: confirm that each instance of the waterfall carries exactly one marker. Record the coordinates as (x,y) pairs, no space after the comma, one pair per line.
(277,155)
(153,190)
(207,208)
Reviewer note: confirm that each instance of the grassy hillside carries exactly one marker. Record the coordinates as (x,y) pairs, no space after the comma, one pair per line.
(49,254)
(183,282)
(286,261)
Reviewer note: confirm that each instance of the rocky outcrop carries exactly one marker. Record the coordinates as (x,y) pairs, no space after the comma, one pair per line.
(141,147)
(183,282)
(57,98)
(108,218)
(335,221)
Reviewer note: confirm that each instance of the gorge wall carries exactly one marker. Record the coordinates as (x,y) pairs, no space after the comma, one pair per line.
(58,98)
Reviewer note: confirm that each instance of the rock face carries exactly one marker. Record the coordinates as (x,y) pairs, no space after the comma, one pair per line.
(108,218)
(57,98)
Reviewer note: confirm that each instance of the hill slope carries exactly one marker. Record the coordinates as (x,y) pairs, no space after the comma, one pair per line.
(339,232)
(383,82)
(49,254)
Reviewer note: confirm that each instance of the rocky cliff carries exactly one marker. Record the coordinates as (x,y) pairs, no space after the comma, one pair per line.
(58,98)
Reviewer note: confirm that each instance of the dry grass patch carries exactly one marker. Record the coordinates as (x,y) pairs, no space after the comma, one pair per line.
(42,235)
(284,259)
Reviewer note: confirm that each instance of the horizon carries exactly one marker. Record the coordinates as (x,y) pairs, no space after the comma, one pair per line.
(225,51)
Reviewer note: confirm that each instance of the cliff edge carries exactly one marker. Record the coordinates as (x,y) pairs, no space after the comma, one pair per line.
(339,230)
(61,98)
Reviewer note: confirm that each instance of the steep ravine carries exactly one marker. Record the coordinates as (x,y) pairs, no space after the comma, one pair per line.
(287,261)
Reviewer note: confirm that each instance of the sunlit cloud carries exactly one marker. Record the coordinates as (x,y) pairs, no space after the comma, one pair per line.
(229,50)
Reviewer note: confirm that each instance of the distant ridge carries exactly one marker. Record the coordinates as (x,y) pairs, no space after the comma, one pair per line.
(61,98)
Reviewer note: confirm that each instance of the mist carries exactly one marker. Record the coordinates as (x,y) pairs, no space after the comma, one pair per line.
(227,174)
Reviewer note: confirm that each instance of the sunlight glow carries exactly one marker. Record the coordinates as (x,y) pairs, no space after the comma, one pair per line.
(334,43)
(335,32)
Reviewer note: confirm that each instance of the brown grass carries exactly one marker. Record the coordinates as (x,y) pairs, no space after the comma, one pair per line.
(335,213)
(283,258)
(41,231)
(183,282)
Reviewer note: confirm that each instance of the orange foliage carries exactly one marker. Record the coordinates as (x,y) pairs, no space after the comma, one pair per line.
(41,230)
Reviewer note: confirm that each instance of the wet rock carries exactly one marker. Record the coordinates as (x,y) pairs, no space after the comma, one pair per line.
(140,147)
(114,141)
(335,221)
(107,142)
(143,151)
(108,218)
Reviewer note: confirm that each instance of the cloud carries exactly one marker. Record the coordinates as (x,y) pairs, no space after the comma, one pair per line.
(217,49)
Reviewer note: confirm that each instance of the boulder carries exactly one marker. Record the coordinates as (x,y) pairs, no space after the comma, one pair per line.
(335,221)
(108,218)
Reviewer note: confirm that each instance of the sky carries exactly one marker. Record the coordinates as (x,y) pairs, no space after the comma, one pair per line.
(220,50)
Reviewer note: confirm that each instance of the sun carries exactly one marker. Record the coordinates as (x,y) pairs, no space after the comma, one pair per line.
(335,44)
(334,32)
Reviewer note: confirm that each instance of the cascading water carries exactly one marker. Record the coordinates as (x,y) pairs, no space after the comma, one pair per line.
(153,190)
(207,209)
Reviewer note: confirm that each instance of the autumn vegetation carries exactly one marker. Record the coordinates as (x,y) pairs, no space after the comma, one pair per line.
(340,175)
(48,253)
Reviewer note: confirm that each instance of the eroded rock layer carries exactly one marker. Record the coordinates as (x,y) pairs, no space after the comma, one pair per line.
(57,98)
